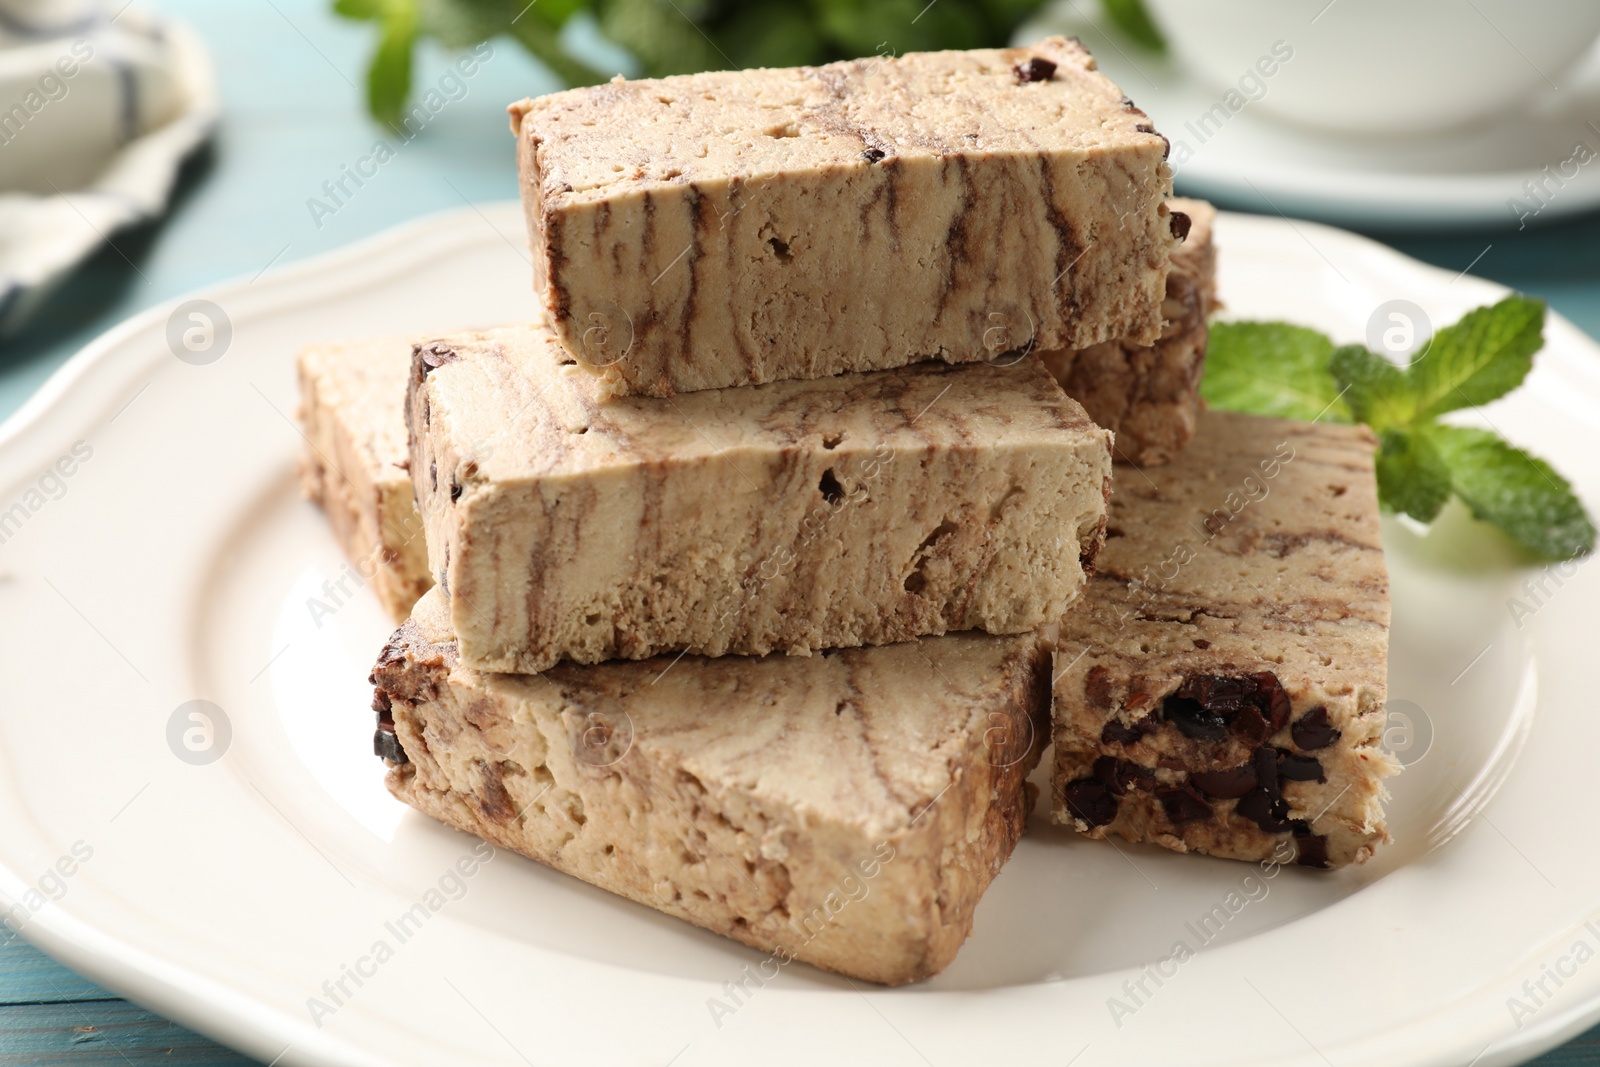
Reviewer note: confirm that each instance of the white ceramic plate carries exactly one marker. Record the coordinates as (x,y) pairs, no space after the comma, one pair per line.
(175,564)
(1470,176)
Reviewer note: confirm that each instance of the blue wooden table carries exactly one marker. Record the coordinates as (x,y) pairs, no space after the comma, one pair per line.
(290,74)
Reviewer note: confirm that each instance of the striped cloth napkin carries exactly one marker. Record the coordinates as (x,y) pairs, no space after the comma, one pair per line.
(99,103)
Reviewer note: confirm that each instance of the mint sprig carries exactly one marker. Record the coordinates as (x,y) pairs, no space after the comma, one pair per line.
(1131,17)
(403,24)
(1270,368)
(682,36)
(1372,389)
(1273,368)
(1521,494)
(1481,358)
(1412,477)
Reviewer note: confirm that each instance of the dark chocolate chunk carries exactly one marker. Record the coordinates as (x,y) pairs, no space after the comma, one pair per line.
(1300,768)
(1265,761)
(433,476)
(873,155)
(455,491)
(1179,221)
(1218,692)
(434,354)
(1097,687)
(1117,732)
(1266,811)
(1313,730)
(1228,784)
(1311,850)
(1195,720)
(1184,805)
(1035,69)
(1272,700)
(1120,776)
(380,699)
(386,744)
(494,801)
(1090,800)
(1105,770)
(1248,724)
(1166,150)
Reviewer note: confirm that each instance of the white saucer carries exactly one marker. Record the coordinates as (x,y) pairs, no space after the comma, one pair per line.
(1248,159)
(175,560)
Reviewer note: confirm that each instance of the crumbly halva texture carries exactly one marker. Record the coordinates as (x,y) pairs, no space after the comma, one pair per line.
(1149,395)
(1220,685)
(352,412)
(847,810)
(862,509)
(736,227)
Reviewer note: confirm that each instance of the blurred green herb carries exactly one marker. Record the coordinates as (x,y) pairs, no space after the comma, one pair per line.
(683,36)
(1273,368)
(1131,18)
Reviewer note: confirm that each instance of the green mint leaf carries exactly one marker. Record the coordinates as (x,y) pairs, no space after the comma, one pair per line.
(1481,358)
(360,9)
(1519,493)
(1412,477)
(780,34)
(553,13)
(1271,368)
(463,23)
(868,27)
(661,36)
(1007,15)
(543,42)
(1375,390)
(1131,18)
(389,74)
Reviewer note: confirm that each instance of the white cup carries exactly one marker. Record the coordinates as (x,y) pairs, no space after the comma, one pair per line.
(1381,66)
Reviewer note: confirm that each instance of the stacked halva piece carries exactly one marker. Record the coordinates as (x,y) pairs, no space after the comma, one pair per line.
(759,562)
